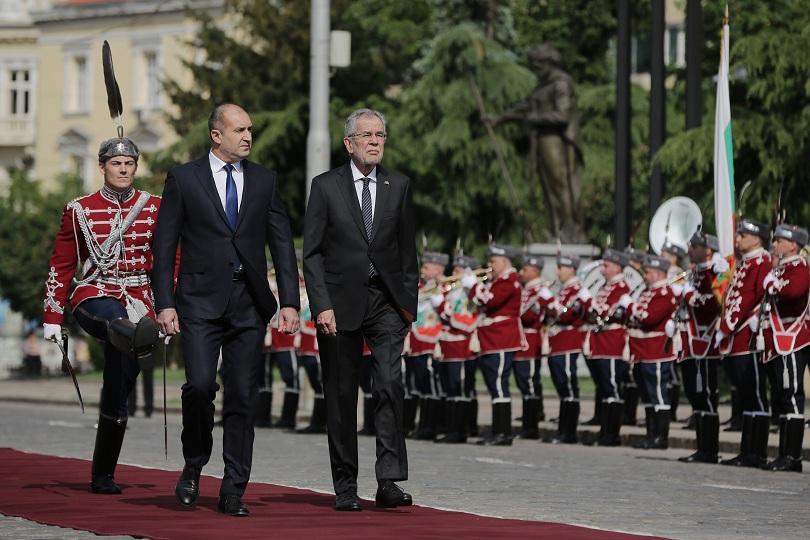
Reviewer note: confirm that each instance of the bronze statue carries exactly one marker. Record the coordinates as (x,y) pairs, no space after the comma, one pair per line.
(555,154)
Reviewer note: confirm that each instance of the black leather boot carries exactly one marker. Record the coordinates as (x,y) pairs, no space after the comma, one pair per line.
(661,439)
(410,406)
(791,458)
(501,426)
(369,404)
(455,418)
(649,422)
(613,413)
(711,437)
(699,441)
(735,423)
(109,438)
(630,405)
(758,451)
(289,411)
(538,392)
(472,417)
(428,416)
(317,422)
(531,412)
(264,403)
(565,411)
(745,442)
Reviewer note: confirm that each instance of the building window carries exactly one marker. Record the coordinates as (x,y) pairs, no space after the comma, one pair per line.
(20,92)
(77,79)
(152,79)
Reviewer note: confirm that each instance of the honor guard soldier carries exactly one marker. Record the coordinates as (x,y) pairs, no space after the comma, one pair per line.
(629,387)
(565,317)
(499,334)
(787,338)
(736,338)
(109,234)
(674,254)
(283,355)
(695,323)
(646,321)
(460,317)
(422,342)
(311,362)
(526,364)
(605,346)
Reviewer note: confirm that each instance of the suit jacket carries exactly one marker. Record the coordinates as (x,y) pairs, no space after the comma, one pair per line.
(337,252)
(192,214)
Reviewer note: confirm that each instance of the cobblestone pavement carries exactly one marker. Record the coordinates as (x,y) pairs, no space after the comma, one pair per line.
(611,488)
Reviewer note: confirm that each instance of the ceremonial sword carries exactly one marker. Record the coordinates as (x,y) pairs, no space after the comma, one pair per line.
(66,366)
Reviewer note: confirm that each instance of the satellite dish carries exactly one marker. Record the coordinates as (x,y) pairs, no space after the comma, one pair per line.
(676,220)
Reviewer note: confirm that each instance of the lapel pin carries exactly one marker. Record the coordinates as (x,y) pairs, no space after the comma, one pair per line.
(386,182)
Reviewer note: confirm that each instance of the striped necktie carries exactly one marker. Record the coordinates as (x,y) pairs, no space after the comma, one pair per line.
(368,219)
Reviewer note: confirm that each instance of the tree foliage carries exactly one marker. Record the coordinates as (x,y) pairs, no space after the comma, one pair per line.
(29,219)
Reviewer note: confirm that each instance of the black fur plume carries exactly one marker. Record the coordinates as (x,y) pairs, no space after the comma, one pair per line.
(113,92)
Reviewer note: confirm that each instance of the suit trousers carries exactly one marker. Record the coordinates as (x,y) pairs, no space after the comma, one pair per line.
(384,330)
(238,334)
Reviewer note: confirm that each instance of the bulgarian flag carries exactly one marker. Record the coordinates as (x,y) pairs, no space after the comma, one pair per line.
(724,197)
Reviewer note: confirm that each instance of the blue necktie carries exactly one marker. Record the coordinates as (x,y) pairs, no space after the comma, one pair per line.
(232,207)
(231,199)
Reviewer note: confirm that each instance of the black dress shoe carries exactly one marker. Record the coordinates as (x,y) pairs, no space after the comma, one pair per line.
(104,484)
(390,495)
(188,487)
(347,502)
(232,505)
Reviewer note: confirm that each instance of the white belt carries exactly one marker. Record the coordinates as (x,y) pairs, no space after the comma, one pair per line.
(641,334)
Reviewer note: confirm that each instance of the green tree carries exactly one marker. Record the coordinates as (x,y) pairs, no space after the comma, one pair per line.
(29,219)
(769,109)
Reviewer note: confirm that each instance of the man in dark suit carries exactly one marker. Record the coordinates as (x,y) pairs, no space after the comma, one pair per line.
(223,210)
(361,277)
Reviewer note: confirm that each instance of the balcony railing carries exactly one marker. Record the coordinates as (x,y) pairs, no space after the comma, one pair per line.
(17,131)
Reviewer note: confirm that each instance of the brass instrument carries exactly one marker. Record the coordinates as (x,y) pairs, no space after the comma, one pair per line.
(686,275)
(448,283)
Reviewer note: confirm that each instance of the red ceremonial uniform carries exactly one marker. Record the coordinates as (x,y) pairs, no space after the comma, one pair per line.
(704,314)
(787,330)
(531,317)
(647,317)
(610,341)
(460,318)
(565,315)
(742,302)
(499,300)
(113,265)
(425,330)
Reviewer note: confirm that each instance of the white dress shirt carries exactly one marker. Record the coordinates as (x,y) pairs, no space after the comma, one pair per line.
(358,186)
(221,178)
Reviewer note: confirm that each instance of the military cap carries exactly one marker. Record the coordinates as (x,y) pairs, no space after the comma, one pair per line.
(615,256)
(500,250)
(117,146)
(659,263)
(754,228)
(702,238)
(634,254)
(791,232)
(435,257)
(466,261)
(674,249)
(533,260)
(568,260)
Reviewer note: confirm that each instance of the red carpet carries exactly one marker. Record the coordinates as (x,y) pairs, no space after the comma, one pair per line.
(54,490)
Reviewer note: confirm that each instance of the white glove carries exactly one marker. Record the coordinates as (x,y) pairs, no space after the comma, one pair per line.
(584,294)
(753,324)
(625,300)
(677,289)
(688,288)
(669,328)
(719,336)
(52,331)
(719,264)
(436,300)
(769,281)
(469,281)
(545,293)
